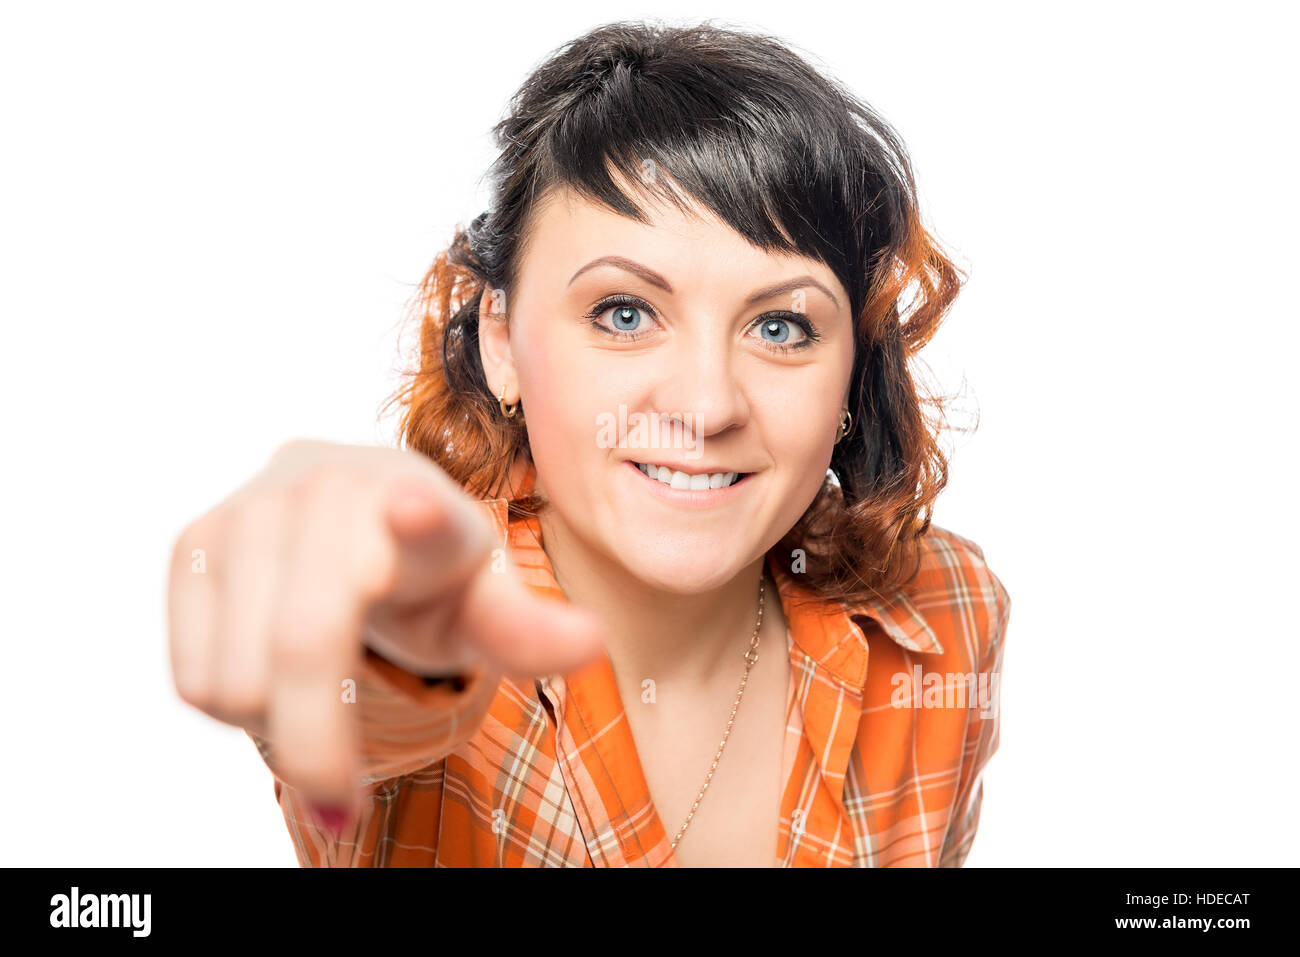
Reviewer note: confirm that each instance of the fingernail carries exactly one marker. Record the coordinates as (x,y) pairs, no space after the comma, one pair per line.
(332,816)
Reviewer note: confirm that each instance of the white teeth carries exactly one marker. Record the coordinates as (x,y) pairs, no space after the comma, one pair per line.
(681,480)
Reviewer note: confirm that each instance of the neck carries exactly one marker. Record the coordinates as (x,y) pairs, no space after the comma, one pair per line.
(693,642)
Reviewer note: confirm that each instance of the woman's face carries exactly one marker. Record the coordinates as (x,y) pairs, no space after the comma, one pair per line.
(699,364)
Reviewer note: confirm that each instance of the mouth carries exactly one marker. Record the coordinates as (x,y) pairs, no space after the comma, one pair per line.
(679,481)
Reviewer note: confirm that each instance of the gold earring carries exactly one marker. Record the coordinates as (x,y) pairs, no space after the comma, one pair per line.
(507,411)
(844,425)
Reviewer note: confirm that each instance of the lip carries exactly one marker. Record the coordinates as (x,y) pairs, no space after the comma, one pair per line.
(690,498)
(693,468)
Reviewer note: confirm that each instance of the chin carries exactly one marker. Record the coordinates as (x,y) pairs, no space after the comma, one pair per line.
(681,568)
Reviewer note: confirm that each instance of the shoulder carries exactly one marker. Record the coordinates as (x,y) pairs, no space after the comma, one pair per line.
(958,592)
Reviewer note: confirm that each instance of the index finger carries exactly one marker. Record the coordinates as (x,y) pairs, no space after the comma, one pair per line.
(523,633)
(439,535)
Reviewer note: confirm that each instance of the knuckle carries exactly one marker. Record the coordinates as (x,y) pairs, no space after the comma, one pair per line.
(205,540)
(288,447)
(323,484)
(258,517)
(296,453)
(194,689)
(303,636)
(181,549)
(199,535)
(237,696)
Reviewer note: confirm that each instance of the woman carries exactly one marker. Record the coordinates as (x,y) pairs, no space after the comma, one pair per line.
(653,581)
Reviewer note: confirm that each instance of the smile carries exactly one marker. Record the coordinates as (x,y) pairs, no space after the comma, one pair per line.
(683,481)
(690,491)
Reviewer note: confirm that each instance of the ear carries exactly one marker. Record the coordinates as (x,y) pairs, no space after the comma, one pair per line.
(494,345)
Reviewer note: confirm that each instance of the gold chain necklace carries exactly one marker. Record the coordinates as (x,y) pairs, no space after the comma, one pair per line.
(751,657)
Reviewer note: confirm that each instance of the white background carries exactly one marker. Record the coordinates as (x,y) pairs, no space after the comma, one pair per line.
(211,216)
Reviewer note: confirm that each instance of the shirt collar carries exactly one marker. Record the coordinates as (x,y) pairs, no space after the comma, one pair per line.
(829,633)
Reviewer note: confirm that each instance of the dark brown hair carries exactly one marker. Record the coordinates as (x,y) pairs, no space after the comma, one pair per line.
(791,161)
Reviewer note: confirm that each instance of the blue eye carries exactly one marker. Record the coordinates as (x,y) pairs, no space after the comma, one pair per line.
(626,313)
(626,318)
(778,327)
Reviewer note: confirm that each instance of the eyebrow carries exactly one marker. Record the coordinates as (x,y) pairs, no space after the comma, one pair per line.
(654,279)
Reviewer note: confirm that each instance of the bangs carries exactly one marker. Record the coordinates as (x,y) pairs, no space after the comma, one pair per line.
(780,154)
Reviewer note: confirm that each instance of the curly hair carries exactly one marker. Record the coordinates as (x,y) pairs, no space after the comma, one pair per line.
(789,159)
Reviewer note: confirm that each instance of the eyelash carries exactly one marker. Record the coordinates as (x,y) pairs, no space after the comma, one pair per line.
(811,335)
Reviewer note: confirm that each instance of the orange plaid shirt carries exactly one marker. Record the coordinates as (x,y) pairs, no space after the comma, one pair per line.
(882,765)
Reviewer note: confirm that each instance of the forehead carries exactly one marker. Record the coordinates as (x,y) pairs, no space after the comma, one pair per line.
(568,229)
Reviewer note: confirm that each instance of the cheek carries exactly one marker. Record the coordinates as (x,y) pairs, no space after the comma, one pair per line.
(801,435)
(808,455)
(563,395)
(800,420)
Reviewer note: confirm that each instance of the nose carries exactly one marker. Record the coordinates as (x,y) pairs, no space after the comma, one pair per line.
(701,386)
